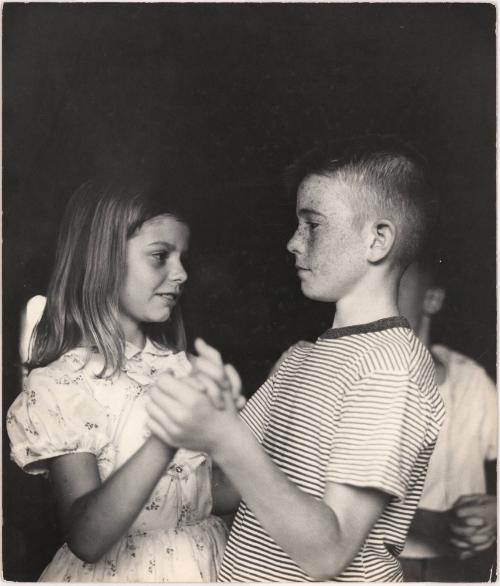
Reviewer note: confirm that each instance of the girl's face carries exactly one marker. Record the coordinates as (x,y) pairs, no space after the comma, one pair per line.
(154,274)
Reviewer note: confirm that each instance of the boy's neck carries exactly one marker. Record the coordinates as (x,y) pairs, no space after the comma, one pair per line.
(369,303)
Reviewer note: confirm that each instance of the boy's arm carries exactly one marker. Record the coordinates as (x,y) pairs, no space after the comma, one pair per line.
(225,497)
(320,536)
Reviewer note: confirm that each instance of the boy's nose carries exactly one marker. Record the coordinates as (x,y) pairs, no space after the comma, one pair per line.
(293,244)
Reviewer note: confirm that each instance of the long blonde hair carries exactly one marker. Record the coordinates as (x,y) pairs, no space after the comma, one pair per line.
(82,299)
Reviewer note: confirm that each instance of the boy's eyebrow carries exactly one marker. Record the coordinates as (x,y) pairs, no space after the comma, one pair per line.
(309,211)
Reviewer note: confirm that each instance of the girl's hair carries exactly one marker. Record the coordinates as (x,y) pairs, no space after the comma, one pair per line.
(82,299)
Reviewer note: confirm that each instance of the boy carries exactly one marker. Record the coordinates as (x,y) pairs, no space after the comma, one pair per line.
(454,528)
(330,454)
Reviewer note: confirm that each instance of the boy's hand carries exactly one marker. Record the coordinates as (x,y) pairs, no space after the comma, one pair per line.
(473,524)
(220,381)
(182,416)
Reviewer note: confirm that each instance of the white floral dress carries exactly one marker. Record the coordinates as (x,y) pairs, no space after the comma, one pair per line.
(65,408)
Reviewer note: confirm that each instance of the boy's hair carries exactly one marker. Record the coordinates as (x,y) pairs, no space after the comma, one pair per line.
(83,294)
(389,177)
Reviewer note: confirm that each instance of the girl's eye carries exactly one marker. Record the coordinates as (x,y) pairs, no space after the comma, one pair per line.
(312,225)
(160,257)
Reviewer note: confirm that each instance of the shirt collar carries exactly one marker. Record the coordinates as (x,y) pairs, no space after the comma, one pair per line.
(396,321)
(132,350)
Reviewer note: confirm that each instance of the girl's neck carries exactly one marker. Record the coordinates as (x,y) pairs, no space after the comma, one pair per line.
(133,333)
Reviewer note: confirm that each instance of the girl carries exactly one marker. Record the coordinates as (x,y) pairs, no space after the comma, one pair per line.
(132,508)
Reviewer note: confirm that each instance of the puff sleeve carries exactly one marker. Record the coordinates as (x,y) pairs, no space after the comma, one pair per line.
(54,415)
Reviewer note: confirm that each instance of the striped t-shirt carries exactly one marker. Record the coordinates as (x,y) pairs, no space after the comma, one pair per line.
(360,407)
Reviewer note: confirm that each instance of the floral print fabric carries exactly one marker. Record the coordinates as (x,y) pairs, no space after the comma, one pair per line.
(66,408)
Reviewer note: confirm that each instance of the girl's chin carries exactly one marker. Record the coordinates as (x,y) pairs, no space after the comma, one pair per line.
(159,318)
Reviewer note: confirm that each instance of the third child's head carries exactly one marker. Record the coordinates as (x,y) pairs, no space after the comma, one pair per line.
(361,203)
(118,274)
(422,293)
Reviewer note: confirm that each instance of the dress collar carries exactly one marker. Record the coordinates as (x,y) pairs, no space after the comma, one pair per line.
(150,347)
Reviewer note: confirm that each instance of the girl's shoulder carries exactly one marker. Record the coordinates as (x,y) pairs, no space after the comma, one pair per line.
(66,369)
(164,359)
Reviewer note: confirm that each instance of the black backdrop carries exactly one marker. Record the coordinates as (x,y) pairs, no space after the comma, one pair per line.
(222,97)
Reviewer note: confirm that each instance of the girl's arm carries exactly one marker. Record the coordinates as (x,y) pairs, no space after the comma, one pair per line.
(95,515)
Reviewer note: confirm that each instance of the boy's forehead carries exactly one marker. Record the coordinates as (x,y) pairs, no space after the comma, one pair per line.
(320,193)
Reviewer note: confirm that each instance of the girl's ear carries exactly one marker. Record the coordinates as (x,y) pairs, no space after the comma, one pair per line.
(382,236)
(433,301)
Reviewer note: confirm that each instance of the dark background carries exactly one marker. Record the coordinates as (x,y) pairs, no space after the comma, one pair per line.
(222,97)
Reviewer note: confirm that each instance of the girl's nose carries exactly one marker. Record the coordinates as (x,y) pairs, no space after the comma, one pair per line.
(178,273)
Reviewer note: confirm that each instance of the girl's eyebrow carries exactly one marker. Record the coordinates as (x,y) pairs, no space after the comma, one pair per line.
(167,245)
(162,243)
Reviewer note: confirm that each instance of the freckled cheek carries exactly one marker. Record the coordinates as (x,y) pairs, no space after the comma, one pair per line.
(320,253)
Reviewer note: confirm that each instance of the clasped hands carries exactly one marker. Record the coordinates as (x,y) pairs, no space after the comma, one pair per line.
(195,411)
(472,524)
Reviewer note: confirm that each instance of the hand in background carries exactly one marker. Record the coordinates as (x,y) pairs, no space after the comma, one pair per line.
(473,524)
(286,354)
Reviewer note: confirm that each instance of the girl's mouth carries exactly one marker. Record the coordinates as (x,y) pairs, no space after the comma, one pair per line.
(168,296)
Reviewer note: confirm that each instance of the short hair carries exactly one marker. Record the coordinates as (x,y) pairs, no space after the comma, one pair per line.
(393,180)
(83,293)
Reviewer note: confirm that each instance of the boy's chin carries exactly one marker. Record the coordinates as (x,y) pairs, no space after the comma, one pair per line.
(314,295)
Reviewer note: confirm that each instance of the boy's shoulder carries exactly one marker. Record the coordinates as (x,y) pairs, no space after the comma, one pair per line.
(390,341)
(397,349)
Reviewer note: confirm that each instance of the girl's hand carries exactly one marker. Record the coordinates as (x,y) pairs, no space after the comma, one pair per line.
(182,416)
(220,381)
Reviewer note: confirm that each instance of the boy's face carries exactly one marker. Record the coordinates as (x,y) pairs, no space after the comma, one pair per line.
(329,248)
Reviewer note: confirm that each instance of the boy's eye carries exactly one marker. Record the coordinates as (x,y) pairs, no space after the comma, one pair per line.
(312,225)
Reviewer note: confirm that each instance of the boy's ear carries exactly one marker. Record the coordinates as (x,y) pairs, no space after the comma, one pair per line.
(381,240)
(433,301)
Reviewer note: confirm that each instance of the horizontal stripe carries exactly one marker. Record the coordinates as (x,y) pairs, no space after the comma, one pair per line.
(359,409)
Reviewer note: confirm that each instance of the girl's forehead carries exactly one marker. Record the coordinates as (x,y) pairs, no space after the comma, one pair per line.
(163,227)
